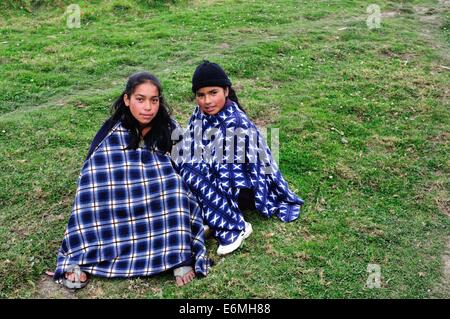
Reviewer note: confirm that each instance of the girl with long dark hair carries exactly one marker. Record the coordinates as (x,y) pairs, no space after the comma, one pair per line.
(132,215)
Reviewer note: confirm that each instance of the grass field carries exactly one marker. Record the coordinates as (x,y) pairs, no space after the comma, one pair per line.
(364,136)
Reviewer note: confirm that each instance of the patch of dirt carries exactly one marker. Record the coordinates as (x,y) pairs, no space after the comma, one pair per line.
(446,260)
(387,143)
(22,231)
(269,250)
(442,289)
(443,202)
(439,192)
(224,46)
(46,288)
(431,18)
(246,30)
(420,10)
(387,52)
(346,172)
(50,218)
(370,229)
(389,14)
(262,123)
(441,138)
(4,60)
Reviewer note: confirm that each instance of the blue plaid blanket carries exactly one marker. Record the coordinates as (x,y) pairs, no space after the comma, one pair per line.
(132,215)
(222,162)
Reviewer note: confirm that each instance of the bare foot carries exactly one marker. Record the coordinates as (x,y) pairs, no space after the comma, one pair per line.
(71,276)
(183,280)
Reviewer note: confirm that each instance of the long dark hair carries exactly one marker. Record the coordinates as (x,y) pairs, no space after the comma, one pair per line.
(162,125)
(233,97)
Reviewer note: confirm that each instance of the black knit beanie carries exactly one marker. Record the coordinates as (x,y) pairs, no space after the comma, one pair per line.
(209,74)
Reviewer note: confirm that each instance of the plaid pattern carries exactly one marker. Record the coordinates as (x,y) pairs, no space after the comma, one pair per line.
(217,183)
(132,215)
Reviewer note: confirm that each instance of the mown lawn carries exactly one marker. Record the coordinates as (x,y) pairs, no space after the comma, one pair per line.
(363,116)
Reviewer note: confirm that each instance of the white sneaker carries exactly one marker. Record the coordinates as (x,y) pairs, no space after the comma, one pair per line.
(223,250)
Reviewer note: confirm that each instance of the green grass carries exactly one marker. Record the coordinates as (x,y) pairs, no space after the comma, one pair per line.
(364,133)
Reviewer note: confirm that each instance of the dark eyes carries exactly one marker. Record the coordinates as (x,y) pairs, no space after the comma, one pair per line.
(154,101)
(210,93)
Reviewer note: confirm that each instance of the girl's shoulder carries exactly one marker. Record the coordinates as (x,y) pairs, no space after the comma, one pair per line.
(101,134)
(173,121)
(174,125)
(239,119)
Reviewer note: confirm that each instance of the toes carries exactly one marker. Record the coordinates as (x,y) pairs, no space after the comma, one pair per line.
(183,280)
(179,281)
(189,277)
(73,278)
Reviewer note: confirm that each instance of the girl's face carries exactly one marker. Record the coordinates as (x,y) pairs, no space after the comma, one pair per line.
(143,103)
(211,99)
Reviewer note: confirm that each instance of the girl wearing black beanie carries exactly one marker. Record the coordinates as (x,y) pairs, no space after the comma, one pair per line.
(210,74)
(235,169)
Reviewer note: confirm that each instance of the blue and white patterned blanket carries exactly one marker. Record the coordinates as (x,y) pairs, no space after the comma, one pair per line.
(132,215)
(228,153)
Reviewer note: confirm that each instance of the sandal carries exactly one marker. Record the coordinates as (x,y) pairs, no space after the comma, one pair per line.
(77,284)
(182,271)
